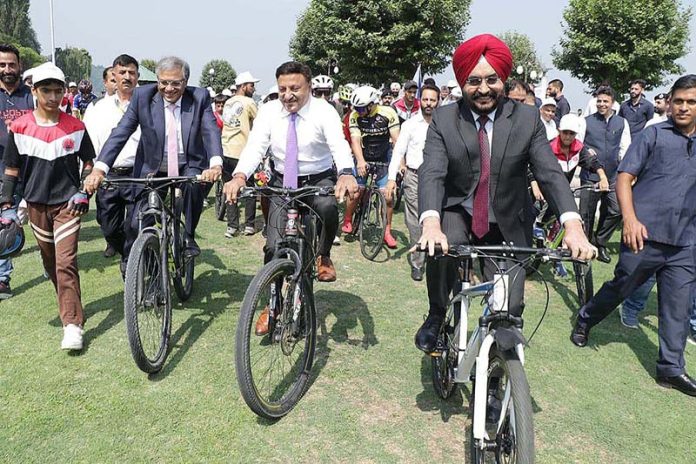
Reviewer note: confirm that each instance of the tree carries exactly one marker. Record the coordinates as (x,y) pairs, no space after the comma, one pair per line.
(620,40)
(28,57)
(76,63)
(379,40)
(523,54)
(15,22)
(148,63)
(222,78)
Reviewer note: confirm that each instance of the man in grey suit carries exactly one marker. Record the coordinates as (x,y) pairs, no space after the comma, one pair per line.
(473,183)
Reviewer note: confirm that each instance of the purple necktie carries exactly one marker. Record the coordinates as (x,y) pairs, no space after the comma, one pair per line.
(479,224)
(172,143)
(291,168)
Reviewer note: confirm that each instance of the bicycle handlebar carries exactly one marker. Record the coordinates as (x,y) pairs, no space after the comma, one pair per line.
(286,192)
(505,251)
(149,180)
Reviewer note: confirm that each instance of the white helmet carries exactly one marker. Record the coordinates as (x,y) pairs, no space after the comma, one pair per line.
(363,96)
(322,82)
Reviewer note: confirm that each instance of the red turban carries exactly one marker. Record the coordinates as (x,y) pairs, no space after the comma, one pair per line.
(467,56)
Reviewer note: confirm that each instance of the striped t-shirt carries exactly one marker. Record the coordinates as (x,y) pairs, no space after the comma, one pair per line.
(47,157)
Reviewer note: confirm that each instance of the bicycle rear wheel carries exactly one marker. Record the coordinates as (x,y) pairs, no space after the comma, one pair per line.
(509,420)
(220,205)
(443,364)
(583,282)
(273,369)
(372,224)
(182,266)
(147,304)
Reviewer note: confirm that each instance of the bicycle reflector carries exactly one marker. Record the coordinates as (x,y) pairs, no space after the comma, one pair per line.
(11,238)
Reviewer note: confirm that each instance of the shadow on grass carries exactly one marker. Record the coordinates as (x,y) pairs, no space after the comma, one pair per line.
(205,307)
(428,400)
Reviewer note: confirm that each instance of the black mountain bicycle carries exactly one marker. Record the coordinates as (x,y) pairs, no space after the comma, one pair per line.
(370,217)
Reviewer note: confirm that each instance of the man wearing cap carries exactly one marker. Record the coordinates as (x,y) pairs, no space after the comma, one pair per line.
(395,89)
(661,110)
(238,117)
(15,102)
(407,105)
(472,185)
(547,113)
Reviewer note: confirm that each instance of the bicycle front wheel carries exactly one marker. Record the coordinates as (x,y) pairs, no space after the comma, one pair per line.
(182,266)
(583,282)
(147,304)
(220,205)
(273,369)
(373,224)
(509,422)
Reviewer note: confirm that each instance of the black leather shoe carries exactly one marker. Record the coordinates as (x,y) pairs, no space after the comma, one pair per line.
(192,249)
(684,383)
(417,274)
(603,255)
(426,337)
(109,252)
(580,334)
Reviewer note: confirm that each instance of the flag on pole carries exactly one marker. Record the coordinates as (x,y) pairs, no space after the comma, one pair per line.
(418,79)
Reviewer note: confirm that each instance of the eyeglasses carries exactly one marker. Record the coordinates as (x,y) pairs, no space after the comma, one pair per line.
(322,93)
(174,84)
(477,81)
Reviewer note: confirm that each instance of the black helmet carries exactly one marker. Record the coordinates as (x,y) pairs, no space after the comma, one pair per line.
(11,238)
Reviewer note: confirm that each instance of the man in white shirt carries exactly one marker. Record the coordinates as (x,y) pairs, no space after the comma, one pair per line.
(114,206)
(407,156)
(547,113)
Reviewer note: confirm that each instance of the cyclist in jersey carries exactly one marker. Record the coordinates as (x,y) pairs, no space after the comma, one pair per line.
(83,99)
(373,130)
(322,87)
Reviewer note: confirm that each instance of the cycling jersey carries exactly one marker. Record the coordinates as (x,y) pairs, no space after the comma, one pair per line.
(82,101)
(374,129)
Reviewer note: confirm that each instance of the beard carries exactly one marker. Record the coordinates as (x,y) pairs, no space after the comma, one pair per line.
(9,78)
(483,104)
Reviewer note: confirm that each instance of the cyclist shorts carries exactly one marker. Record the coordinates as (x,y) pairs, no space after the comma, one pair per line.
(382,177)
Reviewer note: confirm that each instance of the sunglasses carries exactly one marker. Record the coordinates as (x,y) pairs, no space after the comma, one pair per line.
(362,109)
(322,93)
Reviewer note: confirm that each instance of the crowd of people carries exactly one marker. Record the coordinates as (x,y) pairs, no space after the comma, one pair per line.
(472,154)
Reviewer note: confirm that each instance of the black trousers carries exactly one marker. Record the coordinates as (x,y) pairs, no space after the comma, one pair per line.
(676,275)
(113,211)
(609,214)
(193,195)
(441,273)
(325,206)
(228,167)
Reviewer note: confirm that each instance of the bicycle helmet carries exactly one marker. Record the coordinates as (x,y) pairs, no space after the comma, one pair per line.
(11,238)
(344,93)
(322,82)
(363,96)
(85,86)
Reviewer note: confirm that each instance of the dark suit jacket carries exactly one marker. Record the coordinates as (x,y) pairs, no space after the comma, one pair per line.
(200,133)
(451,166)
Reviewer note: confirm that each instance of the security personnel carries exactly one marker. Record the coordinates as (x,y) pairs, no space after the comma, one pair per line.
(659,233)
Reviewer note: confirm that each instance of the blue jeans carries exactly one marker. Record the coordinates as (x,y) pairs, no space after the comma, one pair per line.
(636,302)
(5,270)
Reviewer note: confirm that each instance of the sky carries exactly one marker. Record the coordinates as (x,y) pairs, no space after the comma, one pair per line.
(254,36)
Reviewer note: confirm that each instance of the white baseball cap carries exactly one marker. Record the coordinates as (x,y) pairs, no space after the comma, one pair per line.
(273,89)
(72,84)
(233,87)
(456,91)
(452,83)
(244,78)
(48,71)
(227,92)
(548,101)
(569,122)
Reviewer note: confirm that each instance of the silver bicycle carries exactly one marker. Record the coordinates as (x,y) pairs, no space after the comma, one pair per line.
(492,358)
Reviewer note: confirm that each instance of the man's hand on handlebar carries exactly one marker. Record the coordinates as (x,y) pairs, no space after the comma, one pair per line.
(576,241)
(432,235)
(92,182)
(346,184)
(603,185)
(231,189)
(212,174)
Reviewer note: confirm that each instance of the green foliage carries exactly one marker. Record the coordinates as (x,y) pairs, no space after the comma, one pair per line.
(15,22)
(523,54)
(223,78)
(76,63)
(148,64)
(379,40)
(620,40)
(28,57)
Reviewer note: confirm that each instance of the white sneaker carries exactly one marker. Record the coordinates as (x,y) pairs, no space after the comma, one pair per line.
(72,337)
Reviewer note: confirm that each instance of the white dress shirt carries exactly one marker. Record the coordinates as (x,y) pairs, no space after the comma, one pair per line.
(469,202)
(177,120)
(410,143)
(551,130)
(320,139)
(100,118)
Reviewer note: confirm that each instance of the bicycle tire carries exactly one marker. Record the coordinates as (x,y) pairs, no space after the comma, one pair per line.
(399,195)
(146,305)
(220,205)
(373,224)
(263,398)
(443,366)
(515,441)
(182,267)
(583,282)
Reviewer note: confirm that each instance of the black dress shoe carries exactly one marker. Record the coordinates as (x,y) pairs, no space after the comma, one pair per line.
(417,274)
(684,383)
(426,337)
(602,255)
(192,249)
(580,334)
(109,252)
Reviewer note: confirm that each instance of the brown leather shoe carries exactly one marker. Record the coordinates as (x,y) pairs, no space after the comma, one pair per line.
(326,272)
(262,323)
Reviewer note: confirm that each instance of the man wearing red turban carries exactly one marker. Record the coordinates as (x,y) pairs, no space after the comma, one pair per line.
(473,180)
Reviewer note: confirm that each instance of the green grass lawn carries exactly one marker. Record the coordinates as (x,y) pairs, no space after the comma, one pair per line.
(371,399)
